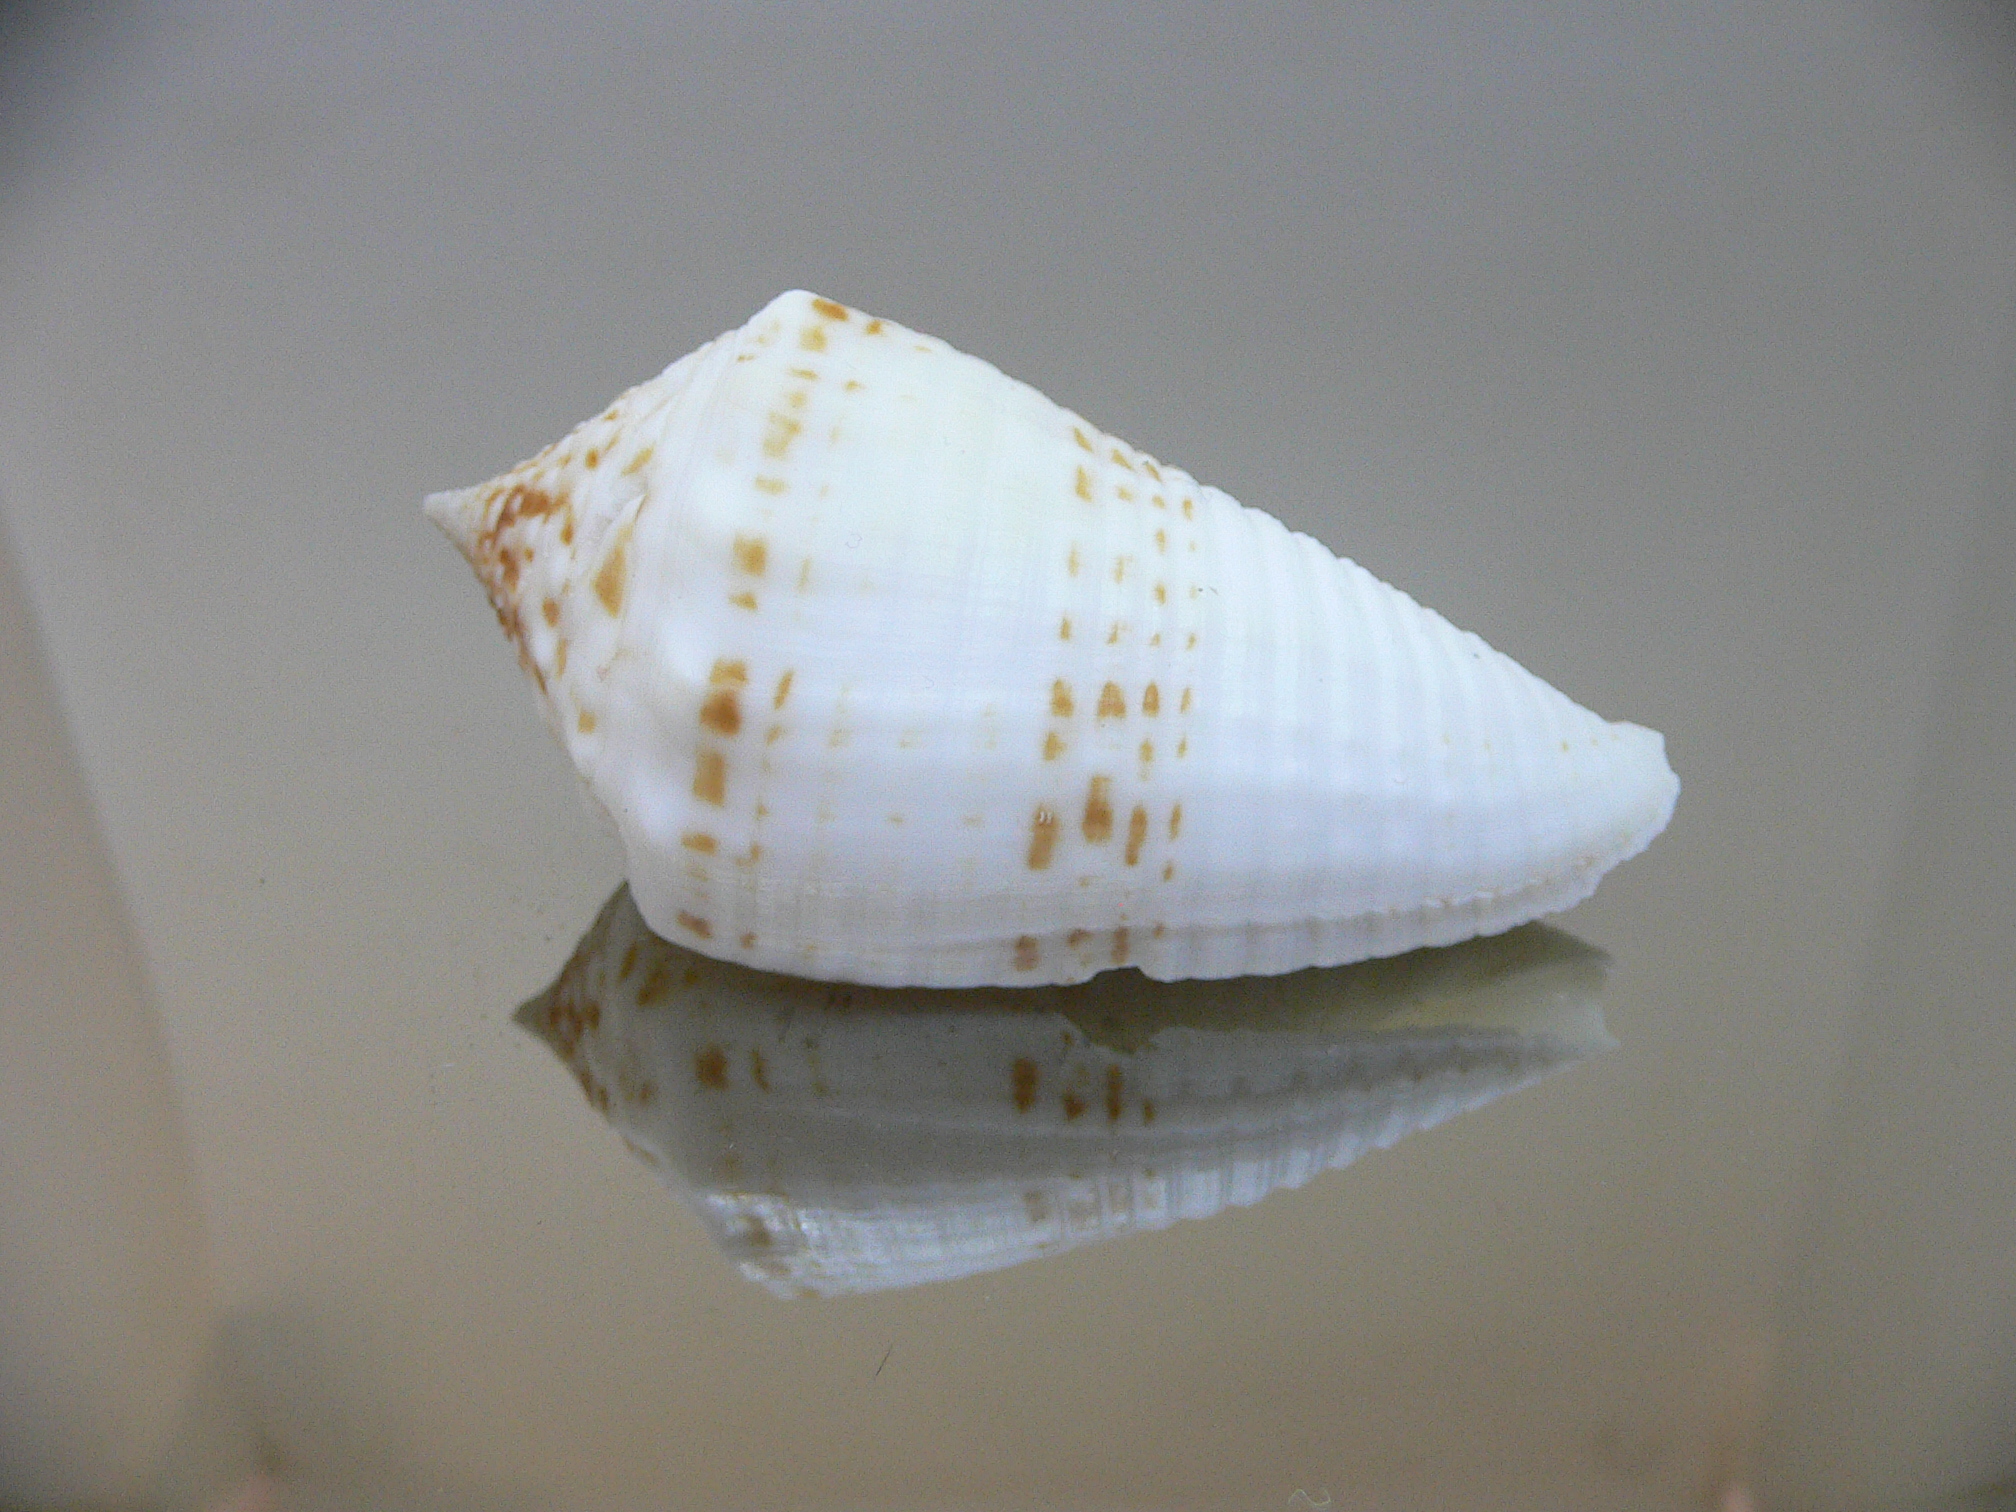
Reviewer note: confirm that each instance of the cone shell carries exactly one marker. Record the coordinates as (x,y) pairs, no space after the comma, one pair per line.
(845,1139)
(887,669)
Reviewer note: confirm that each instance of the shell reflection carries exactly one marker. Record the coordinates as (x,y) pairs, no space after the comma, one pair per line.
(841,1139)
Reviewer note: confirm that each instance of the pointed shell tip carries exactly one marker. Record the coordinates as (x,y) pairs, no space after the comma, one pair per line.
(451,510)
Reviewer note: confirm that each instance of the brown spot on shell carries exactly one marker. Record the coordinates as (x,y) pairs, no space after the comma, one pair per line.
(1071,562)
(1074,1105)
(639,462)
(751,554)
(1116,1086)
(743,600)
(698,925)
(551,609)
(585,722)
(1120,460)
(1084,485)
(829,309)
(1081,439)
(778,438)
(710,1067)
(759,1071)
(710,778)
(1060,699)
(1098,821)
(771,485)
(657,982)
(629,963)
(1022,1075)
(1027,954)
(613,575)
(722,712)
(728,673)
(1120,946)
(1112,702)
(1053,746)
(594,459)
(1161,593)
(1184,707)
(695,840)
(813,338)
(873,328)
(1151,700)
(1175,820)
(1064,629)
(1147,1110)
(1137,833)
(783,691)
(1042,836)
(522,501)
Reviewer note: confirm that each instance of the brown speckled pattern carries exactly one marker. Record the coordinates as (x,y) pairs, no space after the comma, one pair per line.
(838,1138)
(887,669)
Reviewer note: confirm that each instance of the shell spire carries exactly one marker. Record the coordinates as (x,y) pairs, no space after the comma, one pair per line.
(459,514)
(887,669)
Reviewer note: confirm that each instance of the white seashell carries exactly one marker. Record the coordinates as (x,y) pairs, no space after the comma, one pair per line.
(844,1139)
(887,669)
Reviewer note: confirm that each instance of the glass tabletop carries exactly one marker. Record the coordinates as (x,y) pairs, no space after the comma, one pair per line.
(363,1147)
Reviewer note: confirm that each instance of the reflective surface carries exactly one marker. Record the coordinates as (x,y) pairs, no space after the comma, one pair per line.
(839,1139)
(1669,352)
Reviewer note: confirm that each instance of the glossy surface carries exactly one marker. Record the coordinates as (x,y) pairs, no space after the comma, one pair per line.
(1668,350)
(884,668)
(839,1139)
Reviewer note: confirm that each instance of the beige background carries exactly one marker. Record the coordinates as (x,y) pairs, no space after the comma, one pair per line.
(1670,350)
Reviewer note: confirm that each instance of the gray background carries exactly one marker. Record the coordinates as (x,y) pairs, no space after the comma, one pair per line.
(1669,348)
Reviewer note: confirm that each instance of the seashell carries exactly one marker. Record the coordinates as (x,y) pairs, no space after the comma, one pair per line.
(887,669)
(837,1138)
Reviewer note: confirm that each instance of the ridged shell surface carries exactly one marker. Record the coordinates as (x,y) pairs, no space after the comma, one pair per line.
(887,669)
(837,1138)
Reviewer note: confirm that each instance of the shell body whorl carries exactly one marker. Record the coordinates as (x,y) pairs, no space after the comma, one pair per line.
(887,669)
